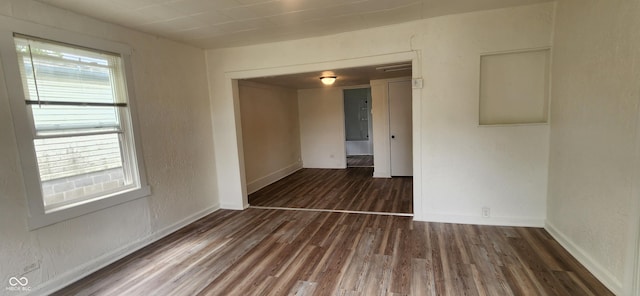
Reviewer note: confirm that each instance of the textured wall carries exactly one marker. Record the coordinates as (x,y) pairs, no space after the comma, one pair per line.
(176,132)
(594,116)
(467,167)
(322,127)
(463,167)
(270,132)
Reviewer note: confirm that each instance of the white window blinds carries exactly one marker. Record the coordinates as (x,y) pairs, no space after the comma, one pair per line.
(71,90)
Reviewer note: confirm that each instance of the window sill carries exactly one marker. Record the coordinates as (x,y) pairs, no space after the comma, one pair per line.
(67,212)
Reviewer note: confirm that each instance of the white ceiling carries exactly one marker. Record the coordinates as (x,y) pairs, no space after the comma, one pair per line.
(226,23)
(345,77)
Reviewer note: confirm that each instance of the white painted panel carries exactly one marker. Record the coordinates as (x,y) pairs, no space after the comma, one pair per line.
(380,116)
(514,87)
(322,128)
(400,129)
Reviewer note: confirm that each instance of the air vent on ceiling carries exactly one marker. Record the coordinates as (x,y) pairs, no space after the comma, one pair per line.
(393,68)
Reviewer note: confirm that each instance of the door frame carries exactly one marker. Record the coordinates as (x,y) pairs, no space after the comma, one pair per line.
(235,196)
(370,117)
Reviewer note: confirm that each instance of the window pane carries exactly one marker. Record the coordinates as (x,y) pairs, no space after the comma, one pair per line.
(68,82)
(48,118)
(77,100)
(73,168)
(52,72)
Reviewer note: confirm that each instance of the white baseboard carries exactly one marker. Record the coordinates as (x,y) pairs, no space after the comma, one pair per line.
(234,207)
(476,220)
(100,262)
(377,174)
(271,178)
(583,257)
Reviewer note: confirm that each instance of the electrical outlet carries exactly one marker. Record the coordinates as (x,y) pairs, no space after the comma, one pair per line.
(486,212)
(31,267)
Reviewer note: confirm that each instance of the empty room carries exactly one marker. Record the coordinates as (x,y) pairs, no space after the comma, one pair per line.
(303,147)
(309,144)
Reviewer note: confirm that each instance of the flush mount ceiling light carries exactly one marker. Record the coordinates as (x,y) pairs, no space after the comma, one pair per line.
(328,80)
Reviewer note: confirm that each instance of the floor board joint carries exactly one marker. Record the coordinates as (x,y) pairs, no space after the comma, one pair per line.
(333,211)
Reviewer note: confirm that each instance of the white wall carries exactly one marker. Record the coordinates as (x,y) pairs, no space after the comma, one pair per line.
(467,167)
(270,133)
(176,132)
(459,167)
(593,175)
(322,128)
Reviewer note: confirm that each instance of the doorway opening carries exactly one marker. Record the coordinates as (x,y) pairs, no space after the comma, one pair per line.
(317,177)
(358,127)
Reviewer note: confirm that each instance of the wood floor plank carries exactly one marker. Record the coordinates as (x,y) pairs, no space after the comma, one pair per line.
(352,189)
(287,281)
(354,275)
(401,264)
(359,161)
(278,252)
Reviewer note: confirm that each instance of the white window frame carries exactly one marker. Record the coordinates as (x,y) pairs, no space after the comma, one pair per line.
(38,215)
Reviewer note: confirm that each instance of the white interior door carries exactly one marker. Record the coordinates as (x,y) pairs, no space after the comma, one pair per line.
(400,128)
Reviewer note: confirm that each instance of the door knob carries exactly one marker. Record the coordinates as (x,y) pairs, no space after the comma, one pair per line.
(393,137)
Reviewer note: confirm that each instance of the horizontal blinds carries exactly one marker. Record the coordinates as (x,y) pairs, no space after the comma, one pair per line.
(60,118)
(71,88)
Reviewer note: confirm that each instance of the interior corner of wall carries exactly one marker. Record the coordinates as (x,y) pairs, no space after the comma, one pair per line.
(600,272)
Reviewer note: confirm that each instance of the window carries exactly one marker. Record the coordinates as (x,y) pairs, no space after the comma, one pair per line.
(81,129)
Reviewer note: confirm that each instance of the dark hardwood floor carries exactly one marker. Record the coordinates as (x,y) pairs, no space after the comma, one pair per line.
(354,161)
(351,189)
(280,252)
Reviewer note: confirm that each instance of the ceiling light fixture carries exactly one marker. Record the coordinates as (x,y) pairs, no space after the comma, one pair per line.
(328,80)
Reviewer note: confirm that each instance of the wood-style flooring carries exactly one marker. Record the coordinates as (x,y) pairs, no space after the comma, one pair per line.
(281,252)
(351,189)
(354,161)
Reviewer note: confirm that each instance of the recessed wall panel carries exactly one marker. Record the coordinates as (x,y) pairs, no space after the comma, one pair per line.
(514,87)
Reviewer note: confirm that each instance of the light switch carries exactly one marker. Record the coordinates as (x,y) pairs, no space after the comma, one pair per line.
(417,82)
